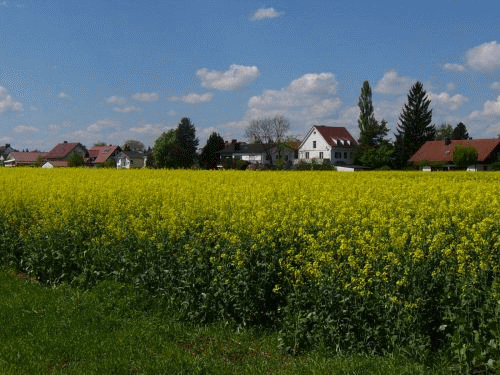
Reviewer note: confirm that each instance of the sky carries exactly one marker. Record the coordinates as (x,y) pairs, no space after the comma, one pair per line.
(112,70)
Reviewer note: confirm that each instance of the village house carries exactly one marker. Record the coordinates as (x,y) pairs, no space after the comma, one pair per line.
(102,154)
(441,152)
(63,152)
(131,159)
(327,144)
(17,158)
(258,153)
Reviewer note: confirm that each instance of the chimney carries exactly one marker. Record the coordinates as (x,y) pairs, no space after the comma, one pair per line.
(65,142)
(447,141)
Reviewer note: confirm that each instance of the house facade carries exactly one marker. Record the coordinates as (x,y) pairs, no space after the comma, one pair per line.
(25,159)
(131,159)
(260,154)
(327,144)
(65,151)
(102,154)
(441,152)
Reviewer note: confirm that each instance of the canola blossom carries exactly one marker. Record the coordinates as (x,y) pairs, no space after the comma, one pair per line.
(353,261)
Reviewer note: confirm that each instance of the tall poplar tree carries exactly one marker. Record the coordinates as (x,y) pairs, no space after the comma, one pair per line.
(414,128)
(371,132)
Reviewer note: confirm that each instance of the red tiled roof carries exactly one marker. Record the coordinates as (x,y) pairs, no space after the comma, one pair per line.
(442,152)
(26,157)
(62,150)
(335,135)
(102,153)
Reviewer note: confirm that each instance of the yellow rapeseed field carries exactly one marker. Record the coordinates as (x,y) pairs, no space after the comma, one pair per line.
(369,233)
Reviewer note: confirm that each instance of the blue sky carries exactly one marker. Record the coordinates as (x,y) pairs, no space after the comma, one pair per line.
(112,70)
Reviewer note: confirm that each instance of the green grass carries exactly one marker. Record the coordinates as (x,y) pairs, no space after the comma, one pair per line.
(111,330)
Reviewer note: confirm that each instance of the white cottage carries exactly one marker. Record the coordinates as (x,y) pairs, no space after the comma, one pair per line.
(331,144)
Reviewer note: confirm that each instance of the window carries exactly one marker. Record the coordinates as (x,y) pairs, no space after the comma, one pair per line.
(286,157)
(345,155)
(307,155)
(314,144)
(338,155)
(321,155)
(296,154)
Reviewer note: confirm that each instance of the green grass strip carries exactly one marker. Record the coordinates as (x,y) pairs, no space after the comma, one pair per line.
(109,330)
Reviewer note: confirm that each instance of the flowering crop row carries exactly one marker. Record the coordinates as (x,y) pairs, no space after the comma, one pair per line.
(354,262)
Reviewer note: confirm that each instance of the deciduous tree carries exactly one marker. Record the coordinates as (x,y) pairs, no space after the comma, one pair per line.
(269,132)
(464,156)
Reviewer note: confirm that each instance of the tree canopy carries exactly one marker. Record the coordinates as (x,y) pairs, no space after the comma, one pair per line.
(133,145)
(464,156)
(270,132)
(460,132)
(163,150)
(176,148)
(209,157)
(414,128)
(371,133)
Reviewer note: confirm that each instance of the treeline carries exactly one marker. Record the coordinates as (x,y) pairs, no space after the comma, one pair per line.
(414,128)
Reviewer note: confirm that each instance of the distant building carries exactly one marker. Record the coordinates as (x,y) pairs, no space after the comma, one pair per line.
(101,154)
(331,144)
(131,159)
(434,152)
(64,151)
(17,158)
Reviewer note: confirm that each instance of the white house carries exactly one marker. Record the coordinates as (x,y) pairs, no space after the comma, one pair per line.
(131,159)
(331,144)
(256,153)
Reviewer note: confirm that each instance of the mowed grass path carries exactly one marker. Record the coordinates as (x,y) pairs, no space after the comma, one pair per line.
(111,330)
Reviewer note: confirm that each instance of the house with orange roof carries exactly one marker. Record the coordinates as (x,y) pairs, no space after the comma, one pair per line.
(328,144)
(63,152)
(441,152)
(102,154)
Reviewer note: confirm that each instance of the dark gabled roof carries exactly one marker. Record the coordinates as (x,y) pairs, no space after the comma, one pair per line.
(62,150)
(99,154)
(442,151)
(6,150)
(133,154)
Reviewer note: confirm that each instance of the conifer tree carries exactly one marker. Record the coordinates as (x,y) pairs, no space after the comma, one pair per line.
(414,128)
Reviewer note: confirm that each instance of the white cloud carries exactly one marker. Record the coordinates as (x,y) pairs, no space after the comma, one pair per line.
(116,100)
(148,129)
(307,99)
(454,67)
(145,96)
(490,109)
(101,125)
(171,113)
(6,102)
(484,57)
(450,86)
(265,13)
(127,109)
(63,95)
(236,77)
(20,129)
(391,83)
(193,98)
(4,140)
(443,101)
(495,86)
